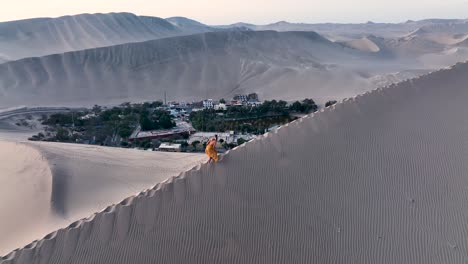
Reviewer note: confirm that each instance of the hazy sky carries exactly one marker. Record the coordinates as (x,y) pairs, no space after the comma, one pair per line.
(254,11)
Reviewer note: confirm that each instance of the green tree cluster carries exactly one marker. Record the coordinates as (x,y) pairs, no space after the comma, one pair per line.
(306,106)
(99,125)
(242,119)
(156,120)
(62,119)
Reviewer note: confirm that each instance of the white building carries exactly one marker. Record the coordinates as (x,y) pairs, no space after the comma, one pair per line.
(228,137)
(170,147)
(208,104)
(174,112)
(241,97)
(88,116)
(220,107)
(253,103)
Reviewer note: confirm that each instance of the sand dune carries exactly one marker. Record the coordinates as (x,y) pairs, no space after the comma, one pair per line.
(448,37)
(189,24)
(452,27)
(376,179)
(26,187)
(45,186)
(44,36)
(387,30)
(363,44)
(463,43)
(413,46)
(213,65)
(449,56)
(209,65)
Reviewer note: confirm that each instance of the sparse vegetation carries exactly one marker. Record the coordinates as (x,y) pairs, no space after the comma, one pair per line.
(250,119)
(114,126)
(105,126)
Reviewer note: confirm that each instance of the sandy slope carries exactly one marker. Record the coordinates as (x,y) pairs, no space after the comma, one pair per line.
(9,131)
(44,36)
(219,65)
(363,44)
(354,31)
(463,43)
(210,65)
(445,38)
(445,34)
(45,186)
(25,191)
(377,179)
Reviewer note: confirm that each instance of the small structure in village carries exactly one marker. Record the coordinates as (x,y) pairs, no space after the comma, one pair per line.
(170,147)
(227,137)
(182,128)
(208,104)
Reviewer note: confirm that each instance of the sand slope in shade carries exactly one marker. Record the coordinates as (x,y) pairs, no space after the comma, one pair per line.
(380,178)
(45,186)
(25,191)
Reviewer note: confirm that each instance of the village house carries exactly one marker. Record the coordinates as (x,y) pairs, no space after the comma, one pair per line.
(182,128)
(208,104)
(241,97)
(220,107)
(170,147)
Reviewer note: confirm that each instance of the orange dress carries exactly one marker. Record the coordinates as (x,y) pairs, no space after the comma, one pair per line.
(211,152)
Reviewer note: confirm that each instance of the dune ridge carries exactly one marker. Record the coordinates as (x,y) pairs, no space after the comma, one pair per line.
(363,44)
(378,194)
(45,36)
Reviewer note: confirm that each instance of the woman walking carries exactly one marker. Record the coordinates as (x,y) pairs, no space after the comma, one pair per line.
(211,150)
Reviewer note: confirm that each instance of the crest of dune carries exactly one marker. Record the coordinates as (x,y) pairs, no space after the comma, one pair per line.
(363,44)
